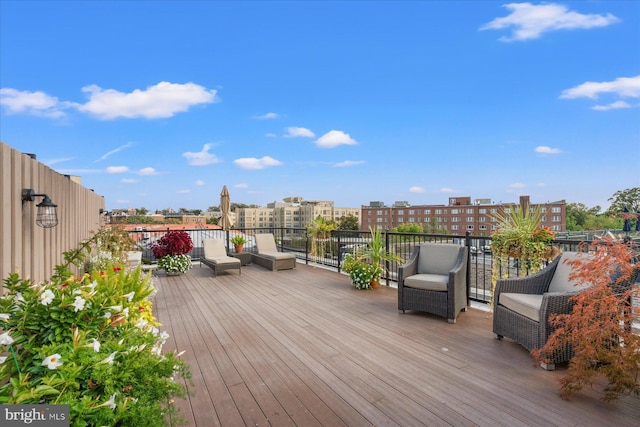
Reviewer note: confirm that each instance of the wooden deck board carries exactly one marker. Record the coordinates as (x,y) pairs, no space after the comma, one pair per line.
(303,347)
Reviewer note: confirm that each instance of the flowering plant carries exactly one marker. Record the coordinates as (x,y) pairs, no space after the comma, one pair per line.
(361,272)
(91,342)
(175,263)
(171,251)
(176,242)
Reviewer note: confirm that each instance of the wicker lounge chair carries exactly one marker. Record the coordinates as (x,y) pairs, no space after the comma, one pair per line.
(268,255)
(215,257)
(434,280)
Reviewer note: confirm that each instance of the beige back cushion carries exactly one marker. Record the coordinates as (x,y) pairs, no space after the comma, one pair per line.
(560,281)
(437,258)
(266,243)
(214,248)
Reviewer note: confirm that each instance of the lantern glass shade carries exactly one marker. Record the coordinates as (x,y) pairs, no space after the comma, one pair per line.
(47,216)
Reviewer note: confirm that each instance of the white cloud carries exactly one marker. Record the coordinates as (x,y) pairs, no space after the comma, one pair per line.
(416,189)
(199,182)
(120,148)
(613,106)
(270,135)
(541,184)
(624,87)
(129,181)
(201,158)
(516,185)
(160,101)
(148,172)
(254,163)
(543,149)
(183,191)
(56,161)
(529,21)
(334,138)
(123,201)
(241,185)
(348,163)
(296,132)
(447,190)
(34,103)
(267,116)
(117,169)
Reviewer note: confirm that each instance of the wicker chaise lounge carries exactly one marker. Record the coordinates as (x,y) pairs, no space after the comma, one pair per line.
(434,280)
(268,255)
(216,258)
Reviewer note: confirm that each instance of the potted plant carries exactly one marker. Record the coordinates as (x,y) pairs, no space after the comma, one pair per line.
(521,236)
(363,274)
(238,242)
(172,252)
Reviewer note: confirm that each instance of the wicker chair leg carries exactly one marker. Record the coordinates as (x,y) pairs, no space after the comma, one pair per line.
(548,366)
(452,320)
(498,337)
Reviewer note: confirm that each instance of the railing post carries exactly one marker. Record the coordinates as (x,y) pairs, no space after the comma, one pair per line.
(467,243)
(338,247)
(386,261)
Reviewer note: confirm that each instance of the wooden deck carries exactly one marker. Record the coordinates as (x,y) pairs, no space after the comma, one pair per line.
(303,347)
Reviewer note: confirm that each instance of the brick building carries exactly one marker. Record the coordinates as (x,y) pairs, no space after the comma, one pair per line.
(459,216)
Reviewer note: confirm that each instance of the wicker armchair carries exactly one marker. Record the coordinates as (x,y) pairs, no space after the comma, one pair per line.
(522,306)
(434,280)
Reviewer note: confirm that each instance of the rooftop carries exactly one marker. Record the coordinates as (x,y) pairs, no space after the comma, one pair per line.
(303,347)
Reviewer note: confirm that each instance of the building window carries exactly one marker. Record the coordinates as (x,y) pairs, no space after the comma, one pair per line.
(378,212)
(482,219)
(469,219)
(482,227)
(455,219)
(469,227)
(454,211)
(469,210)
(556,228)
(400,219)
(412,212)
(455,227)
(482,211)
(555,218)
(412,219)
(438,211)
(379,219)
(556,210)
(400,211)
(427,211)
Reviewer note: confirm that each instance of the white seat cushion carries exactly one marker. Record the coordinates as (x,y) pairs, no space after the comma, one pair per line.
(525,304)
(429,282)
(560,281)
(224,260)
(277,255)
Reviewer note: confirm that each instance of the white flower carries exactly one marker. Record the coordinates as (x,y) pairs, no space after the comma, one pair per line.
(116,308)
(164,336)
(109,360)
(126,312)
(92,285)
(2,359)
(129,296)
(53,361)
(107,315)
(77,292)
(5,339)
(111,403)
(4,316)
(96,345)
(46,297)
(142,323)
(78,304)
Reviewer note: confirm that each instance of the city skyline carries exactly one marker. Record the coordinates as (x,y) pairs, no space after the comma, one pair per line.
(160,104)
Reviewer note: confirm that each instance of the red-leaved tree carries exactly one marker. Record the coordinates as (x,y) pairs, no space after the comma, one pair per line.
(598,329)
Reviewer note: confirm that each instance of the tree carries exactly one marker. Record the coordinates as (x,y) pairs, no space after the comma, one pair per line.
(629,198)
(142,211)
(348,222)
(578,215)
(408,228)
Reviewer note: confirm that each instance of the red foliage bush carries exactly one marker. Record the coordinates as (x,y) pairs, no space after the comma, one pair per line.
(175,242)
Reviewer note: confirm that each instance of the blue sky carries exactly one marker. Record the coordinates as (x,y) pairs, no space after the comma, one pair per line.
(159,104)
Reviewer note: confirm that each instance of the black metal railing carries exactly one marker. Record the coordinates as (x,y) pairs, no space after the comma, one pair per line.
(330,249)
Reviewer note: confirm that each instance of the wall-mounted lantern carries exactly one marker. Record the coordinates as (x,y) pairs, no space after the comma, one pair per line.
(46,216)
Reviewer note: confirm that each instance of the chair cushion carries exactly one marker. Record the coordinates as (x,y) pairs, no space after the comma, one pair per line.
(525,304)
(429,282)
(560,281)
(224,260)
(437,258)
(214,248)
(277,255)
(265,243)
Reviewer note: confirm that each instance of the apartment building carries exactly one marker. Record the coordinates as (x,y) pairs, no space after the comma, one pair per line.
(459,215)
(292,212)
